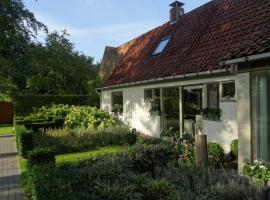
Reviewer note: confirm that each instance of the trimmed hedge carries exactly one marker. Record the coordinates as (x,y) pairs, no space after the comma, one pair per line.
(45,182)
(24,140)
(40,156)
(24,104)
(215,152)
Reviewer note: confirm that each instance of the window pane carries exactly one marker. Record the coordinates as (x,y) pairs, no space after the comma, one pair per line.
(117,102)
(228,90)
(260,87)
(162,45)
(213,93)
(148,94)
(156,103)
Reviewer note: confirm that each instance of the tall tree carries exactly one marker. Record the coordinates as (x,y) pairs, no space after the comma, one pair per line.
(17,26)
(58,69)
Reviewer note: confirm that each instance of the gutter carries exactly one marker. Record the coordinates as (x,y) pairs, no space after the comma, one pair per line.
(167,78)
(246,59)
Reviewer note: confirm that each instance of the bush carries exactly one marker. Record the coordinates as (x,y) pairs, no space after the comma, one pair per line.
(40,156)
(215,153)
(45,182)
(234,147)
(24,140)
(147,158)
(24,105)
(88,117)
(68,141)
(259,171)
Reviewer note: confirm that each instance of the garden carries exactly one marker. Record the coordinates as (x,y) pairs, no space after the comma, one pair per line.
(81,152)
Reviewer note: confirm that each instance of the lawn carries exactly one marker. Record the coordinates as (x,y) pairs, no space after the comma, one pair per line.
(75,157)
(6,129)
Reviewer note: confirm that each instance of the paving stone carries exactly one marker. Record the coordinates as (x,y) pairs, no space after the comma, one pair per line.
(10,187)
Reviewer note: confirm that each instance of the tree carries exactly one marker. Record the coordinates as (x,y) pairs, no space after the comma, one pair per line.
(17,26)
(57,69)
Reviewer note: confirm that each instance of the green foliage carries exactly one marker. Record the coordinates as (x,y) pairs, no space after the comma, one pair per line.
(170,133)
(17,26)
(211,183)
(24,140)
(88,117)
(40,156)
(212,113)
(68,141)
(234,147)
(145,158)
(25,105)
(215,153)
(64,71)
(117,108)
(188,139)
(45,182)
(259,171)
(187,157)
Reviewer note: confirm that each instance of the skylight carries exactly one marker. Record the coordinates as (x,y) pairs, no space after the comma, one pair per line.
(161,46)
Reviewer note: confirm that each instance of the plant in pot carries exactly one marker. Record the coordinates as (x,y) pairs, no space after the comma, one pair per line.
(212,113)
(117,109)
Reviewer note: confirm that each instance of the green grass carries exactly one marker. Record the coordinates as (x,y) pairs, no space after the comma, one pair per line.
(75,157)
(6,129)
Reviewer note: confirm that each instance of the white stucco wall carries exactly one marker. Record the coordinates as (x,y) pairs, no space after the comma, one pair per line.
(136,111)
(225,130)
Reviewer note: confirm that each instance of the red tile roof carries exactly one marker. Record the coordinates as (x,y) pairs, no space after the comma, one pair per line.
(200,40)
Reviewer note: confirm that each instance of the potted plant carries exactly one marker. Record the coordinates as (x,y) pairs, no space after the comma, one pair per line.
(212,113)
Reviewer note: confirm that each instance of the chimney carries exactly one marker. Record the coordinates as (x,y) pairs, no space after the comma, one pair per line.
(176,11)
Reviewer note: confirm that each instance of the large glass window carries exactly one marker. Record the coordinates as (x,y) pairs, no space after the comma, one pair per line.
(260,102)
(213,95)
(117,102)
(153,96)
(171,108)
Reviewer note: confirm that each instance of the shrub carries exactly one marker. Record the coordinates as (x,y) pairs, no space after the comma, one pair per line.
(146,158)
(215,153)
(259,171)
(67,141)
(40,156)
(212,113)
(24,140)
(88,117)
(170,133)
(234,147)
(45,182)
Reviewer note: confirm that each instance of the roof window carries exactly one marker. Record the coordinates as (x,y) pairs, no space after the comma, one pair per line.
(162,45)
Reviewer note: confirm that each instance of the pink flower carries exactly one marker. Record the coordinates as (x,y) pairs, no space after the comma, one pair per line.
(181,157)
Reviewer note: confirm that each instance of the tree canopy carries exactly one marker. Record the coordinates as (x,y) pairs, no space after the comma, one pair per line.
(31,67)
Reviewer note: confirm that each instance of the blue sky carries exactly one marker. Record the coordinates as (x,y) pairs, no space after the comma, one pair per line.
(94,24)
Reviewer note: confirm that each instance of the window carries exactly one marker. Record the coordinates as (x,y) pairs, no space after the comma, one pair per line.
(213,95)
(153,96)
(227,91)
(162,45)
(117,102)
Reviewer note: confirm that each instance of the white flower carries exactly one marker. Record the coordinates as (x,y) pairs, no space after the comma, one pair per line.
(252,167)
(256,161)
(263,167)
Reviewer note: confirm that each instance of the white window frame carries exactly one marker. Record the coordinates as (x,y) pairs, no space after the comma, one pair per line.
(223,99)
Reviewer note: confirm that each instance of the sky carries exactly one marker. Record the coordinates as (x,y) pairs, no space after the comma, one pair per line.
(94,24)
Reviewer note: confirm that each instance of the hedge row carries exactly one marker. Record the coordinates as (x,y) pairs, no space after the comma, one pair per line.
(43,179)
(24,140)
(24,105)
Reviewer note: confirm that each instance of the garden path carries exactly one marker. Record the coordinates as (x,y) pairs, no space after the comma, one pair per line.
(10,187)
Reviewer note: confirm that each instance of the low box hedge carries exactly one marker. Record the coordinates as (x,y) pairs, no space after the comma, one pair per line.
(24,140)
(40,156)
(44,182)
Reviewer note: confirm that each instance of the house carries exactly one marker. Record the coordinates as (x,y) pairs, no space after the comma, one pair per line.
(216,56)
